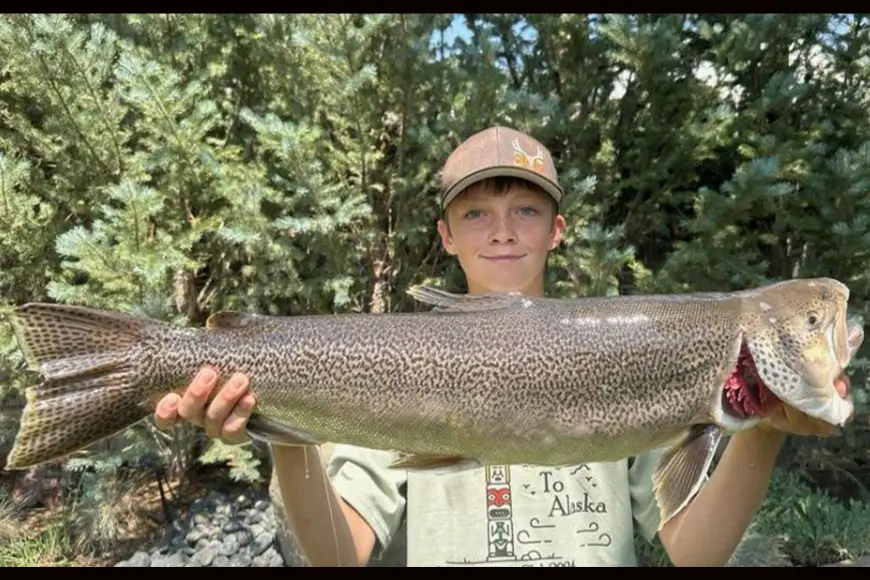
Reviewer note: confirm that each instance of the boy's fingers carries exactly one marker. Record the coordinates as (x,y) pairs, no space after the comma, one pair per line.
(234,427)
(192,404)
(222,405)
(167,411)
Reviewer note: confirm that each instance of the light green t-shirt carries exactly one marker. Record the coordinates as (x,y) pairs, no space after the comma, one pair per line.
(510,515)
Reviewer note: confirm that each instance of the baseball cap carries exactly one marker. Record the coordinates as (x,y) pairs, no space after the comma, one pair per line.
(496,152)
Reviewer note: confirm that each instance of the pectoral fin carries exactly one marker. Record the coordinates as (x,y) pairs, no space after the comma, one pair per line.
(682,468)
(269,431)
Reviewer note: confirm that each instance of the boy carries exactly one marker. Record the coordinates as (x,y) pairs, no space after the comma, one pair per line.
(500,199)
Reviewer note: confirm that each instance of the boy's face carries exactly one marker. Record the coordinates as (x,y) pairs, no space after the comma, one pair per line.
(502,239)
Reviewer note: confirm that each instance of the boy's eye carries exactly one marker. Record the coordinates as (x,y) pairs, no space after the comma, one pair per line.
(528,210)
(473,214)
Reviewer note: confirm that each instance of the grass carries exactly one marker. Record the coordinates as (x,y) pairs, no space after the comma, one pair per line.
(44,545)
(796,525)
(813,527)
(47,548)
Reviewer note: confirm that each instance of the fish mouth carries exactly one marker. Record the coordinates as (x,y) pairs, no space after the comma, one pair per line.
(745,396)
(814,385)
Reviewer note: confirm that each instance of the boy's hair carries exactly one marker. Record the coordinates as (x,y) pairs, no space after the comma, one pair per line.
(501,184)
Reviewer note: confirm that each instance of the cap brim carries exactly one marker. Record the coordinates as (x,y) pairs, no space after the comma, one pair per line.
(503,171)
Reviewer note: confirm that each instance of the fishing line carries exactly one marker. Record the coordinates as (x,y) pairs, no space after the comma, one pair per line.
(307,473)
(328,492)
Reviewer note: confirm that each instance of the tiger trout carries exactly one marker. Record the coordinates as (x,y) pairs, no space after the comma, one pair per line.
(475,380)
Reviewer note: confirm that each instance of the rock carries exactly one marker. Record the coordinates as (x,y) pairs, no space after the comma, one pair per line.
(215,545)
(221,562)
(262,543)
(261,561)
(230,546)
(225,509)
(196,534)
(244,537)
(277,561)
(138,560)
(205,556)
(241,561)
(174,560)
(217,531)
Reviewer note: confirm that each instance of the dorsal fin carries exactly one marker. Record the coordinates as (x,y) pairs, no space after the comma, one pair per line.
(444,301)
(232,319)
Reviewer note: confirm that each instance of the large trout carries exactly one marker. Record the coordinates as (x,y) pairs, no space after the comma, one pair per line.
(499,378)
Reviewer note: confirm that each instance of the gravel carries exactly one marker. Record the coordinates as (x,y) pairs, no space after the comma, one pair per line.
(218,531)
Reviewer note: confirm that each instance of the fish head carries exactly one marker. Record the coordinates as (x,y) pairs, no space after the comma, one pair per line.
(801,341)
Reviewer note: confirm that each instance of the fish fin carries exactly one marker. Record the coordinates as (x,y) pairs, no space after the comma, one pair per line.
(90,388)
(434,461)
(444,301)
(269,431)
(231,319)
(681,469)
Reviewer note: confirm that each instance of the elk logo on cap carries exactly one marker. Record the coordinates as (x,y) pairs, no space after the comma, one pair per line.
(523,159)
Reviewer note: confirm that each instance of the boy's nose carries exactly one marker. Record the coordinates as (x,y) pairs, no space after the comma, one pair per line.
(503,232)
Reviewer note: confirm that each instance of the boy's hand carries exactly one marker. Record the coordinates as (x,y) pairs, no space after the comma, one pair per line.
(225,418)
(786,418)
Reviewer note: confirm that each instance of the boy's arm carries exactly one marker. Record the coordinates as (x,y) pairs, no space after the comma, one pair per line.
(340,515)
(707,531)
(372,489)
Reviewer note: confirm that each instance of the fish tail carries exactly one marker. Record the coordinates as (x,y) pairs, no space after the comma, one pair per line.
(91,383)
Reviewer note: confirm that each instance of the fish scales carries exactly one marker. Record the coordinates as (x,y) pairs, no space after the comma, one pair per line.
(547,379)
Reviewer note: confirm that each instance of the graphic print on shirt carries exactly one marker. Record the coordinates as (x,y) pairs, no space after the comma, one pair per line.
(541,517)
(498,512)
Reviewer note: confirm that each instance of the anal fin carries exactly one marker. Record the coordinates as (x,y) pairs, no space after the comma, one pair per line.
(275,433)
(444,463)
(682,469)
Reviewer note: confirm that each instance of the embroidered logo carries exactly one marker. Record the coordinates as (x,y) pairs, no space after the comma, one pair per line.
(523,159)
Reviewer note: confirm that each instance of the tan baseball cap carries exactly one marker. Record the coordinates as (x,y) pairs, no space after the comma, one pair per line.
(494,152)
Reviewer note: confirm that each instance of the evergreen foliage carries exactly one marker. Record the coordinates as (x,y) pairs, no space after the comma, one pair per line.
(177,165)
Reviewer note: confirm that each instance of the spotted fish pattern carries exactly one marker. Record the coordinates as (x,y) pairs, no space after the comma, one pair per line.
(494,379)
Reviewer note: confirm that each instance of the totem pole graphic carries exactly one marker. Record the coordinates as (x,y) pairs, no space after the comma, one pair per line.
(499,513)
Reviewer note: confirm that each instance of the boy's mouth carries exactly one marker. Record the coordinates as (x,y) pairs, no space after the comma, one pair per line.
(504,258)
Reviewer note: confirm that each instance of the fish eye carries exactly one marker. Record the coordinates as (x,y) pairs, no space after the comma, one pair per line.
(812,320)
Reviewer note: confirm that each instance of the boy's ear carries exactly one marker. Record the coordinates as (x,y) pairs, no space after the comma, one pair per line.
(558,230)
(446,239)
